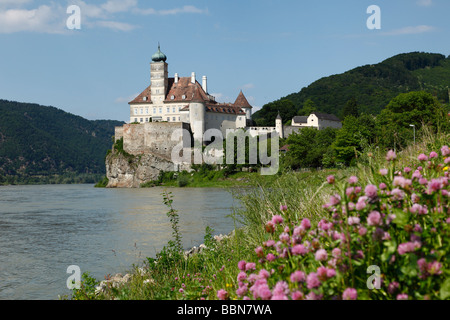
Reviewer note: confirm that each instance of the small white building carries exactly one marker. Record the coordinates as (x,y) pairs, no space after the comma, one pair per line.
(317,120)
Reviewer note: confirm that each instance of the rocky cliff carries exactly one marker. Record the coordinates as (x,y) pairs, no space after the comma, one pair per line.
(129,171)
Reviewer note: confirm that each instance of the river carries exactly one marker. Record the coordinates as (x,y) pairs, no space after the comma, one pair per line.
(46,229)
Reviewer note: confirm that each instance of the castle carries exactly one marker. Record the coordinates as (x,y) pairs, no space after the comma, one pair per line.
(168,104)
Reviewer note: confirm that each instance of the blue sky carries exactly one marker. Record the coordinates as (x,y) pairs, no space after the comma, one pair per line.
(266,48)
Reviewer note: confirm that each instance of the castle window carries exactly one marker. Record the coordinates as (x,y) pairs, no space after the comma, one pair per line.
(142,119)
(174,109)
(154,110)
(183,97)
(135,120)
(174,119)
(146,111)
(172,97)
(168,119)
(142,111)
(144,98)
(136,111)
(160,110)
(168,110)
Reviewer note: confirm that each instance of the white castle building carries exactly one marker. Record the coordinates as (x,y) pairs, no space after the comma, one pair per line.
(184,99)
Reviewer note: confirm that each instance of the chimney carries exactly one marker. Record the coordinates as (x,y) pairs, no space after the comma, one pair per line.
(193,77)
(176,78)
(205,84)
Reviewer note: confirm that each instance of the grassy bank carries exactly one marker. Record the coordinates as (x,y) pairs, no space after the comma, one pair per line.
(313,235)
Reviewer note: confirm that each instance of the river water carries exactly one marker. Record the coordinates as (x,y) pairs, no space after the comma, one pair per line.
(46,229)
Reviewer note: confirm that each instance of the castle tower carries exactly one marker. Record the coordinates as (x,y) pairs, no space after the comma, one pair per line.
(197,112)
(242,103)
(279,126)
(159,75)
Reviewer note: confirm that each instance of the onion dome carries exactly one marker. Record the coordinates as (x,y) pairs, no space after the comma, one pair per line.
(159,56)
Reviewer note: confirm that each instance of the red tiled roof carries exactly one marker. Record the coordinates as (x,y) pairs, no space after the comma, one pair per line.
(194,92)
(147,93)
(184,88)
(242,101)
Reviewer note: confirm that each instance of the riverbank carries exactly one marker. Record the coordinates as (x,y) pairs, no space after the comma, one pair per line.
(313,235)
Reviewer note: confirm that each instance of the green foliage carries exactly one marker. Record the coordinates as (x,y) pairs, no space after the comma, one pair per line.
(308,147)
(38,142)
(373,86)
(102,183)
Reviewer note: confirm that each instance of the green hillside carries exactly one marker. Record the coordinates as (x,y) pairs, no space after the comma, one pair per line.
(373,86)
(38,142)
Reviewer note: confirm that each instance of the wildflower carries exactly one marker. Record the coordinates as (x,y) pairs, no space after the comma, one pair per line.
(447,160)
(306,224)
(270,257)
(397,194)
(324,225)
(241,265)
(321,255)
(270,227)
(391,155)
(353,220)
(433,155)
(362,231)
(299,250)
(434,185)
(331,179)
(242,290)
(297,295)
(277,219)
(374,218)
(241,276)
(407,169)
(312,281)
(383,172)
(382,186)
(336,252)
(280,291)
(298,276)
(353,180)
(393,287)
(407,247)
(250,266)
(334,200)
(371,191)
(222,294)
(445,150)
(259,252)
(350,294)
(422,157)
(434,268)
(402,296)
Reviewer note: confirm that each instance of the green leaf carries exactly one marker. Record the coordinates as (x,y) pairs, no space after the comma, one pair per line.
(401,218)
(445,289)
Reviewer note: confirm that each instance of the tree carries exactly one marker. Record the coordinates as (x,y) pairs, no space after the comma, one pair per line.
(308,108)
(416,108)
(351,108)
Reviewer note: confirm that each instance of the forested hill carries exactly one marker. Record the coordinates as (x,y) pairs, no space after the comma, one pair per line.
(38,141)
(371,86)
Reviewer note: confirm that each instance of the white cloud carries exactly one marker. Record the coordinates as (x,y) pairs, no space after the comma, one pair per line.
(44,19)
(185,9)
(410,30)
(52,18)
(424,3)
(115,25)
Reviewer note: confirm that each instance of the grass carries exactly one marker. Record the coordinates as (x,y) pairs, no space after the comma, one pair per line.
(172,276)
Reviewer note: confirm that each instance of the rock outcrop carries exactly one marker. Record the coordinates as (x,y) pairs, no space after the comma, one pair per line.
(130,171)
